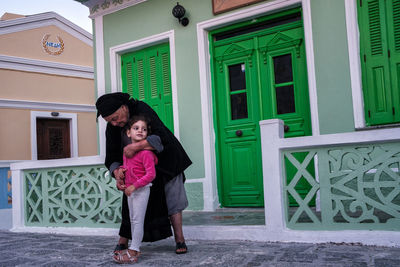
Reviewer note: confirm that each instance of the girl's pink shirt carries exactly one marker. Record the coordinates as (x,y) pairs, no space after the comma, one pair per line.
(140,169)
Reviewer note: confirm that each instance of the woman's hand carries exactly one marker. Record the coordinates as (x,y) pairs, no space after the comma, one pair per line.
(119,175)
(131,149)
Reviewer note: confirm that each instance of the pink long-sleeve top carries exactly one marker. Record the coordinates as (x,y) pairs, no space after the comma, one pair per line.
(140,169)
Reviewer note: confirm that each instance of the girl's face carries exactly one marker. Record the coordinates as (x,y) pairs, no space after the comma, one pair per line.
(138,131)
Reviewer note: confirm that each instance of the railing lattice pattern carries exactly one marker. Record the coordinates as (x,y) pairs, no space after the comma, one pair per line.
(83,196)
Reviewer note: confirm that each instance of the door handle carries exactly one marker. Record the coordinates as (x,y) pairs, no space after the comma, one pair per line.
(239,133)
(286,128)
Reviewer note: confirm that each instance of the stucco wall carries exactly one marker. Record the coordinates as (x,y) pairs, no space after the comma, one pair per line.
(333,102)
(127,22)
(335,106)
(28,44)
(15,135)
(46,88)
(330,48)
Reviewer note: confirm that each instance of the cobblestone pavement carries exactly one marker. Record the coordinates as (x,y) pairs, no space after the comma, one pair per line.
(28,249)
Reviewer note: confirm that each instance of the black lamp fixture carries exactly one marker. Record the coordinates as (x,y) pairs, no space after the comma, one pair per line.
(179,11)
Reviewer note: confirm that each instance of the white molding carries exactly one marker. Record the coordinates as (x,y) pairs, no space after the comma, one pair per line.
(73,123)
(210,184)
(353,40)
(56,163)
(47,67)
(312,83)
(43,20)
(112,9)
(100,78)
(7,163)
(115,66)
(24,104)
(195,180)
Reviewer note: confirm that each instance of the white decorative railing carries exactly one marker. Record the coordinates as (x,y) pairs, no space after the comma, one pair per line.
(355,184)
(75,192)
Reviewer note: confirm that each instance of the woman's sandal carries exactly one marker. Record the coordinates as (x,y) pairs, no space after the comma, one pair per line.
(119,247)
(181,248)
(125,257)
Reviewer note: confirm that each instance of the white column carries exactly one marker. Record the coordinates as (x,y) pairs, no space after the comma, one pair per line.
(271,135)
(17,198)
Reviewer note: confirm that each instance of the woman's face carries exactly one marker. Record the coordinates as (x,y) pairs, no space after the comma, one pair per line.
(119,117)
(138,131)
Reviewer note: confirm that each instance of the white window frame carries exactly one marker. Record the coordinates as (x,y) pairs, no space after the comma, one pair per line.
(115,66)
(73,126)
(353,40)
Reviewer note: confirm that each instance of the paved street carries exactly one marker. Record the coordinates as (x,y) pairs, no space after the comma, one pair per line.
(28,249)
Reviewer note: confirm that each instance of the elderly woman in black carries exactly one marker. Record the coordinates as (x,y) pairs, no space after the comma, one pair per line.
(167,197)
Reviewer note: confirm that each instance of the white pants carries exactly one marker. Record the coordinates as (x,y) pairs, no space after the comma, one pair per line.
(137,203)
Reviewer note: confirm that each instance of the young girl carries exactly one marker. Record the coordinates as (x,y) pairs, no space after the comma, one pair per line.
(140,171)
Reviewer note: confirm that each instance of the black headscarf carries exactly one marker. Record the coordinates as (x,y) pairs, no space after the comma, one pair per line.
(109,103)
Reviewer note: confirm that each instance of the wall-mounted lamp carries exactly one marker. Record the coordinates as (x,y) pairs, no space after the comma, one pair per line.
(55,114)
(179,11)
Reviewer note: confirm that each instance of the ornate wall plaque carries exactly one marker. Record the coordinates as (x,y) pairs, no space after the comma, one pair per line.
(54,48)
(220,6)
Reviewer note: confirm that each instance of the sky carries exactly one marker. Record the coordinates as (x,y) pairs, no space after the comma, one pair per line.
(69,9)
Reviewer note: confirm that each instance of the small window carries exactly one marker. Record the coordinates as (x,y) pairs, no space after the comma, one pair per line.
(238,94)
(284,88)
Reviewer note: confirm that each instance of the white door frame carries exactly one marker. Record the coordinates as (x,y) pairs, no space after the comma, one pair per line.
(73,128)
(203,28)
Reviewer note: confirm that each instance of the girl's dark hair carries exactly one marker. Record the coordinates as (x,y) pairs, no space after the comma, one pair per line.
(136,118)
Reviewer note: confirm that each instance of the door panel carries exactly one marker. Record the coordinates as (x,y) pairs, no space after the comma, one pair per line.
(53,139)
(239,135)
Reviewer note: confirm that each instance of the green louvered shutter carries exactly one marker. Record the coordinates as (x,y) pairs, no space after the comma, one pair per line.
(146,76)
(393,10)
(377,27)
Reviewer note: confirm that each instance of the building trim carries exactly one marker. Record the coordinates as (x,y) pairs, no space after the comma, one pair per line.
(101,8)
(100,78)
(46,67)
(353,41)
(73,126)
(43,20)
(24,104)
(203,28)
(115,66)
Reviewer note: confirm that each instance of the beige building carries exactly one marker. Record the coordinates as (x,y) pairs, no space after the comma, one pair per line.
(47,91)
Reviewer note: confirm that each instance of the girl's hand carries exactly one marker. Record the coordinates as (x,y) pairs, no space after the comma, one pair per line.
(129,190)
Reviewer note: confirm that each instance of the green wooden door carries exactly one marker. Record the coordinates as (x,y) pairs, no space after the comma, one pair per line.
(238,129)
(146,76)
(258,75)
(379,24)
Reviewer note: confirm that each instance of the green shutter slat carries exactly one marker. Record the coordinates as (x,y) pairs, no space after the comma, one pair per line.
(140,75)
(165,74)
(129,80)
(396,24)
(153,77)
(375,28)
